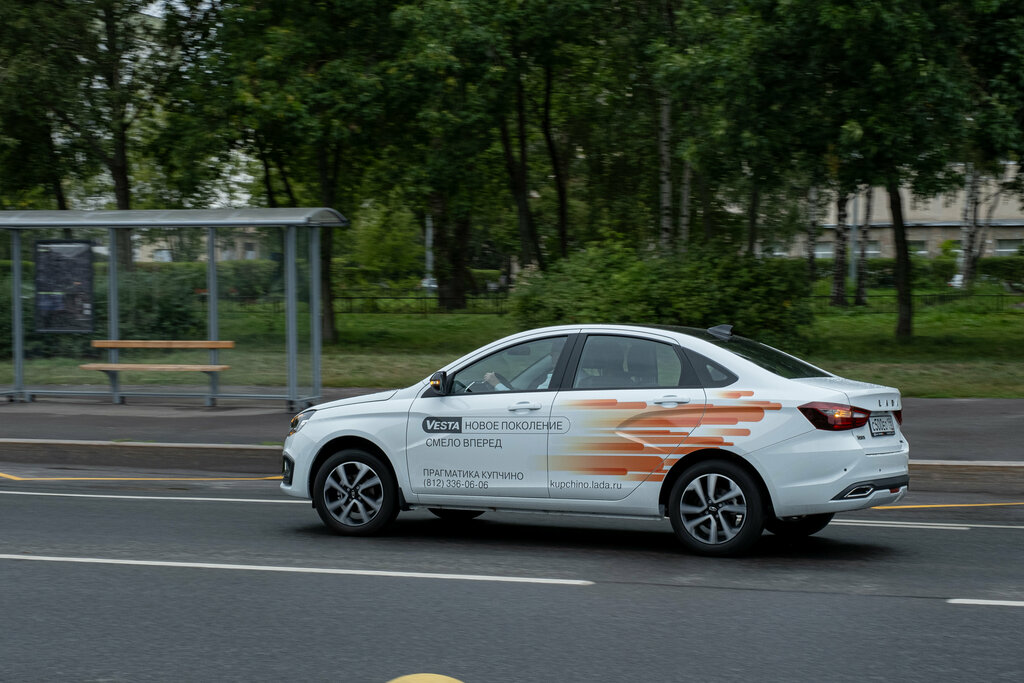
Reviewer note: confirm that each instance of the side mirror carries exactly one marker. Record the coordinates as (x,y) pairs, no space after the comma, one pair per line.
(439,382)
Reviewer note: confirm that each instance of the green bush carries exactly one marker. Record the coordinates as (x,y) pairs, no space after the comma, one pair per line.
(1007,269)
(27,268)
(248,279)
(762,298)
(161,303)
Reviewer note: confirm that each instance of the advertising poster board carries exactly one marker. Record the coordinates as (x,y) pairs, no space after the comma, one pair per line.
(64,301)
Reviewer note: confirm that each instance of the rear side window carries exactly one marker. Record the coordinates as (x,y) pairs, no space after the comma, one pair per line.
(770,359)
(612,362)
(709,373)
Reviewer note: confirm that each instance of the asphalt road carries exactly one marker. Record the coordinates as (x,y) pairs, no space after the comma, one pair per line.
(168,579)
(938,429)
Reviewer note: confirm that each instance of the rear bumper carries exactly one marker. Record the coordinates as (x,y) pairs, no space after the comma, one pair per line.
(811,475)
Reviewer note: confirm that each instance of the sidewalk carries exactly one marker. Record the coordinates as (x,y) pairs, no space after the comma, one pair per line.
(971,441)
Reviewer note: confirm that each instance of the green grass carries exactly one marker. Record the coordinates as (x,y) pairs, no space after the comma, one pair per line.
(953,353)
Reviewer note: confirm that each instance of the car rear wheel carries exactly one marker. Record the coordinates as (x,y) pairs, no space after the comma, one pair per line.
(455,515)
(716,509)
(797,527)
(355,494)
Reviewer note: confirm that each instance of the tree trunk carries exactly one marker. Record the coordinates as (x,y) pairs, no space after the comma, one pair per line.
(705,207)
(683,239)
(969,226)
(289,192)
(328,158)
(122,193)
(665,171)
(812,233)
(752,216)
(268,184)
(450,267)
(57,183)
(905,316)
(117,161)
(556,167)
(529,244)
(860,297)
(839,253)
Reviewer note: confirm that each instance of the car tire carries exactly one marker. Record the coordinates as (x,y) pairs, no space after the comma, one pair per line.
(355,494)
(716,509)
(455,515)
(797,527)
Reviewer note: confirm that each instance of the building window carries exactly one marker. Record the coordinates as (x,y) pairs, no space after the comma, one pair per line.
(872,249)
(250,251)
(823,250)
(1008,247)
(917,247)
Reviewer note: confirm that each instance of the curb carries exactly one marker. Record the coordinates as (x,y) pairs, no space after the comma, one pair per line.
(983,476)
(957,476)
(241,458)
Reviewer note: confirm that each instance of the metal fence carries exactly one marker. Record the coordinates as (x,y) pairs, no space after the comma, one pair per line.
(498,303)
(371,303)
(952,301)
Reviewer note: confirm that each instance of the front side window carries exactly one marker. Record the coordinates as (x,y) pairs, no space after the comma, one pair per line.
(524,367)
(609,362)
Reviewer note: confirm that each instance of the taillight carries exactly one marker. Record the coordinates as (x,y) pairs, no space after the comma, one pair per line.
(899,415)
(834,416)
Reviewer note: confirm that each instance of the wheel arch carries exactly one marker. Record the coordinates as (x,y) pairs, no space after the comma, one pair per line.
(357,442)
(713,454)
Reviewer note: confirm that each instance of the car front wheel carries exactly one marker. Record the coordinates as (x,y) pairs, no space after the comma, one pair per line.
(355,494)
(716,509)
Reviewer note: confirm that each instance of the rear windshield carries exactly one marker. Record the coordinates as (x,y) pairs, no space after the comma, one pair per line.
(768,358)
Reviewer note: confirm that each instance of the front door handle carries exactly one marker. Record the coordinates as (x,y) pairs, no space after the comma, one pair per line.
(669,401)
(524,405)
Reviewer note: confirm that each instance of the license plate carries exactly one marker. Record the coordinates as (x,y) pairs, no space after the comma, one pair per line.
(882,425)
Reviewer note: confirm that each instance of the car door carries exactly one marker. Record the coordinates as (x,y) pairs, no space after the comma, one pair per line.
(630,402)
(487,436)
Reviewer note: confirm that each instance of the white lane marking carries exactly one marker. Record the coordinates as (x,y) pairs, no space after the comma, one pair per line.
(301,501)
(301,570)
(188,498)
(901,525)
(990,603)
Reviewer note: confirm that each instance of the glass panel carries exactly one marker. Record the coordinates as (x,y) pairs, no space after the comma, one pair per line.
(611,362)
(523,367)
(770,359)
(1008,247)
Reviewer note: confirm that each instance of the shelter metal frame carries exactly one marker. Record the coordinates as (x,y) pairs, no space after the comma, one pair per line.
(291,220)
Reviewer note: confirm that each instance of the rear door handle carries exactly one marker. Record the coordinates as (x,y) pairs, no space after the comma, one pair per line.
(670,401)
(524,405)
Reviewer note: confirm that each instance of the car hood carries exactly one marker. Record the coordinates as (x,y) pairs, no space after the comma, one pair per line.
(366,398)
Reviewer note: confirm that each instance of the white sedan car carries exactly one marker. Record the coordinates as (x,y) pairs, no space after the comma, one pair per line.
(724,436)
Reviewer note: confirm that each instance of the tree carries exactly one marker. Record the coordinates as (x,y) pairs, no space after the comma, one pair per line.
(890,96)
(307,99)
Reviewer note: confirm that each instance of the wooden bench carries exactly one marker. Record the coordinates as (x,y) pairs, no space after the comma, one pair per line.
(113,368)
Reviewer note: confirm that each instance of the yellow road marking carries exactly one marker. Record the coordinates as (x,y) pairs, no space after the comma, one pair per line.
(14,478)
(950,505)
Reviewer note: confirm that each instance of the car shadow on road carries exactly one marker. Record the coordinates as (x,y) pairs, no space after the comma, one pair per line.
(435,534)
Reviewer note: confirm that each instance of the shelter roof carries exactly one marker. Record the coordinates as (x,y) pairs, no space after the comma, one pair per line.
(172,218)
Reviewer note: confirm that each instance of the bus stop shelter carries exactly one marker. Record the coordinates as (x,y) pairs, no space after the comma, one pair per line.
(20,225)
